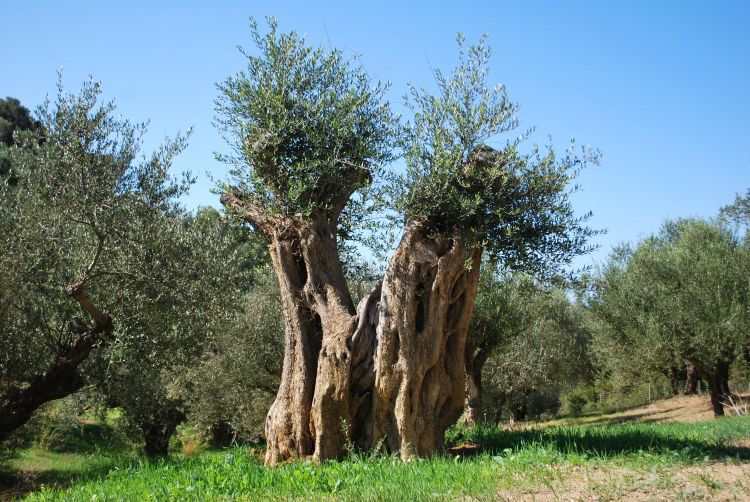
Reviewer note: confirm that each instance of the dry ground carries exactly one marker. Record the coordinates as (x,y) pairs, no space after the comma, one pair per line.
(681,409)
(716,481)
(720,481)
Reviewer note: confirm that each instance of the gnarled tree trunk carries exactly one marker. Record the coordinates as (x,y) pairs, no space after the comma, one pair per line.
(61,378)
(311,411)
(311,408)
(393,369)
(426,302)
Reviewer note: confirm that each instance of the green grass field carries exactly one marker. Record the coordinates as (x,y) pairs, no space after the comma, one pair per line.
(706,460)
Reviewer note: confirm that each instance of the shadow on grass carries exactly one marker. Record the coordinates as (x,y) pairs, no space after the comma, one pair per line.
(73,453)
(712,440)
(652,416)
(16,483)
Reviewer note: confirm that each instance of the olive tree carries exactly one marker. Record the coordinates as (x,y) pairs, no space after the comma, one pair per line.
(739,210)
(679,297)
(238,374)
(626,326)
(197,285)
(505,309)
(72,230)
(310,131)
(528,337)
(551,356)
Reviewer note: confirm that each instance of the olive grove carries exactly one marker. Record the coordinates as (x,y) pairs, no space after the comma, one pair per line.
(675,303)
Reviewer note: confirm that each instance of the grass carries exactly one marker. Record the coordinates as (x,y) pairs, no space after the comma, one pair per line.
(675,461)
(704,440)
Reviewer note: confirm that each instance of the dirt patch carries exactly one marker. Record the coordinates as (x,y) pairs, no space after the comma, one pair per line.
(715,481)
(685,409)
(682,409)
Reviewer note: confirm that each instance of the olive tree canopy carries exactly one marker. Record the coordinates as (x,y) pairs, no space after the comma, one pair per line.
(72,235)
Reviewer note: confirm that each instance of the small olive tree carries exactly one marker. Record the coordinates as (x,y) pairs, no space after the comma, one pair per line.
(238,375)
(525,337)
(197,284)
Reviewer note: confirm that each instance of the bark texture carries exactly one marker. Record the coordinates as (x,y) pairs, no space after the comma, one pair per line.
(61,377)
(311,412)
(427,297)
(313,399)
(390,370)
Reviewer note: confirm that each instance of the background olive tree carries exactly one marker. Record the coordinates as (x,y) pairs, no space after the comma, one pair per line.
(197,284)
(531,341)
(235,382)
(73,225)
(677,300)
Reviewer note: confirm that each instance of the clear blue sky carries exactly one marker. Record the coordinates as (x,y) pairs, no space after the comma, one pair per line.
(661,88)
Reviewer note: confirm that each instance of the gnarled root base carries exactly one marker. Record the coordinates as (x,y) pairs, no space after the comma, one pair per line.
(391,370)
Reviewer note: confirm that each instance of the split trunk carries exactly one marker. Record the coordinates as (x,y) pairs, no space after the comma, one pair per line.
(391,371)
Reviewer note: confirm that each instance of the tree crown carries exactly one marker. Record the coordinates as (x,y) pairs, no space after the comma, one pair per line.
(515,205)
(307,126)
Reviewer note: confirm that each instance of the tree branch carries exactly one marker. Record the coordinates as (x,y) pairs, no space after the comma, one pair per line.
(248,211)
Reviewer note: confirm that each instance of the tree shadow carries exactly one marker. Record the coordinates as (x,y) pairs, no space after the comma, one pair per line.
(94,464)
(625,419)
(15,484)
(608,440)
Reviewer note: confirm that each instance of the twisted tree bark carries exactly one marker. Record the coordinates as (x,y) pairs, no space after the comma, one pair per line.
(427,298)
(391,370)
(313,399)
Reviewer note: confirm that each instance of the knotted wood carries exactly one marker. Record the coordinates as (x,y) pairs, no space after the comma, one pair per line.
(391,371)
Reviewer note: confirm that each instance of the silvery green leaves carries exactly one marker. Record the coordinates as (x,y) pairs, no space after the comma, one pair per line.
(83,218)
(307,126)
(515,205)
